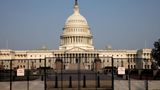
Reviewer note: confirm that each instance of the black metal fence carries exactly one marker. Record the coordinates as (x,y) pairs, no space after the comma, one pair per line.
(63,73)
(79,73)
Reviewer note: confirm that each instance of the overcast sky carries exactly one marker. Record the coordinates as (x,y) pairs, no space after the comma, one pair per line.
(123,24)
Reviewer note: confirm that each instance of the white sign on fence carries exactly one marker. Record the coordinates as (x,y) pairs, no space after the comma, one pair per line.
(20,72)
(121,70)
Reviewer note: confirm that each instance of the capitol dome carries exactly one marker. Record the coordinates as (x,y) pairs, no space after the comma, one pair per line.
(76,19)
(76,32)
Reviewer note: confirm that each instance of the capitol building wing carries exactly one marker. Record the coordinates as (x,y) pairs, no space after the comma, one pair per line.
(76,46)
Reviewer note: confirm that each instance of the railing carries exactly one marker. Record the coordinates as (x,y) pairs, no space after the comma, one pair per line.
(80,73)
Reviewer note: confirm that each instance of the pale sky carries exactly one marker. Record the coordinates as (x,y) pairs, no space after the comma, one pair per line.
(123,24)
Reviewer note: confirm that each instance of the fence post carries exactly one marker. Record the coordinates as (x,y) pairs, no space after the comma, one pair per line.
(70,82)
(129,80)
(10,74)
(112,74)
(146,84)
(98,83)
(45,85)
(28,75)
(56,81)
(62,72)
(84,81)
(146,81)
(79,76)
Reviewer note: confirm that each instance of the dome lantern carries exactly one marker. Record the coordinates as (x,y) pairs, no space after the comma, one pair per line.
(76,8)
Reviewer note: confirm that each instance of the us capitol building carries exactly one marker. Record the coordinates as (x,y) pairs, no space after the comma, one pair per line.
(76,41)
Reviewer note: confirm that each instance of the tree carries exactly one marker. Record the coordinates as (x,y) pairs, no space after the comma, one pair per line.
(156,54)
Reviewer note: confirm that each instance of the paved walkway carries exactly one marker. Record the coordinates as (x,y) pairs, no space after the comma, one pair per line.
(118,85)
(22,85)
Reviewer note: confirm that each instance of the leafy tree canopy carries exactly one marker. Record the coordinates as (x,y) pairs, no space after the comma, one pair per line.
(156,54)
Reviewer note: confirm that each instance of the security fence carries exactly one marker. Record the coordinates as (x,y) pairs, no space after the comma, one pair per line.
(77,73)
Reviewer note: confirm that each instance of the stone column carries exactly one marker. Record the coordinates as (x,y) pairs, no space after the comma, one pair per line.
(70,40)
(67,40)
(74,39)
(85,40)
(90,41)
(64,40)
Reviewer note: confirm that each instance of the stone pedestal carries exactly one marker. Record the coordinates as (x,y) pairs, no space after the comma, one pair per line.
(59,64)
(97,62)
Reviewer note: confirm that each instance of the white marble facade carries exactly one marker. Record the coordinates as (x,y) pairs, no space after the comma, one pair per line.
(76,41)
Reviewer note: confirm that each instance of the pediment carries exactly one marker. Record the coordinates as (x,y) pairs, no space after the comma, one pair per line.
(76,49)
